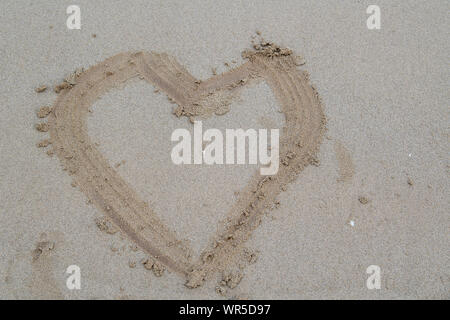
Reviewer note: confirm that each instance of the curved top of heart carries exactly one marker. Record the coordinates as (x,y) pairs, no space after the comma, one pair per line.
(91,171)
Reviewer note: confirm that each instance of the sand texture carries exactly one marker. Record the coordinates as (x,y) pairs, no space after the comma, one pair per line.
(87,178)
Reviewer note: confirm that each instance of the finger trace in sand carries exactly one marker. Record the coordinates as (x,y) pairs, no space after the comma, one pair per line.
(91,171)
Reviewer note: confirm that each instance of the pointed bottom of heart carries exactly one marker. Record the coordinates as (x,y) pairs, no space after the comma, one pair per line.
(300,139)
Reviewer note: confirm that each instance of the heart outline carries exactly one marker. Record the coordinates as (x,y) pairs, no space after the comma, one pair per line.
(300,140)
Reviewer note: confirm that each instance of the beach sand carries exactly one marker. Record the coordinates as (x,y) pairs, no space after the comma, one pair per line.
(378,194)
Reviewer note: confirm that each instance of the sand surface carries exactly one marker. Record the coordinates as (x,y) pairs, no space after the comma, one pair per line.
(377,194)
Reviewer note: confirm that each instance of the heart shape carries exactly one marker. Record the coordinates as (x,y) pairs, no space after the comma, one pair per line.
(299,143)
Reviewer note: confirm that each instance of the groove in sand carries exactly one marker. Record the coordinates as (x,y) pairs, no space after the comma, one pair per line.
(299,143)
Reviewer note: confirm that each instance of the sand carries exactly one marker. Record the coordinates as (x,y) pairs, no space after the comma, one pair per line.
(376,193)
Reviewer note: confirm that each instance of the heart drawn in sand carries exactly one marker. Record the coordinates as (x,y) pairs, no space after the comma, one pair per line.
(299,143)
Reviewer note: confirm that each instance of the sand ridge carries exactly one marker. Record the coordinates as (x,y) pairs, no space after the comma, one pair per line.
(299,143)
